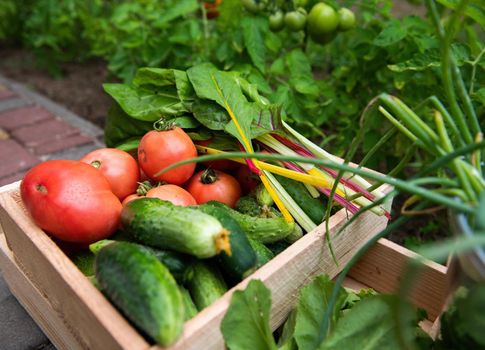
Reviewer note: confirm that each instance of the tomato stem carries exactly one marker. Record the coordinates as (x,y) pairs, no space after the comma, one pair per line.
(208,177)
(163,125)
(41,188)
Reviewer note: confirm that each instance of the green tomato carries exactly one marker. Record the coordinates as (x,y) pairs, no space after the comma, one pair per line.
(322,19)
(346,19)
(276,21)
(300,3)
(253,6)
(323,38)
(295,20)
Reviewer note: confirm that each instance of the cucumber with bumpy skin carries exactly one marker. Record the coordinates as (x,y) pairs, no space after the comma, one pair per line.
(161,224)
(263,253)
(177,263)
(190,308)
(142,288)
(206,285)
(264,230)
(242,260)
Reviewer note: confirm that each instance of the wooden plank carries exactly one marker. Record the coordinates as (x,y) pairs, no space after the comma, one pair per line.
(284,276)
(39,308)
(92,320)
(382,267)
(99,325)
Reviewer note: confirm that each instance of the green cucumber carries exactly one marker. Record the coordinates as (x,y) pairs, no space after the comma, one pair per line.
(142,288)
(242,260)
(263,253)
(313,207)
(84,260)
(248,205)
(189,306)
(177,263)
(264,230)
(278,247)
(161,224)
(206,284)
(295,235)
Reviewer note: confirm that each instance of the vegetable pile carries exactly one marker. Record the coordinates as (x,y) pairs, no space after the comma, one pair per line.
(174,225)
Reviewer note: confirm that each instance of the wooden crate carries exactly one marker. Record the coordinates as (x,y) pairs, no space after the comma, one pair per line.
(75,315)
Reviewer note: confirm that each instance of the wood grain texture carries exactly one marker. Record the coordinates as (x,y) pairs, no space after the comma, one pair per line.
(92,321)
(33,301)
(95,324)
(382,268)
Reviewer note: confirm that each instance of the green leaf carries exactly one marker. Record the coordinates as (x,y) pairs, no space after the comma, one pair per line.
(311,307)
(223,88)
(154,78)
(246,323)
(301,77)
(479,96)
(176,9)
(253,29)
(369,325)
(418,63)
(392,33)
(120,127)
(145,104)
(210,114)
(475,9)
(286,338)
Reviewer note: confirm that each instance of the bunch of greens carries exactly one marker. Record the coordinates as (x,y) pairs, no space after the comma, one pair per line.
(358,319)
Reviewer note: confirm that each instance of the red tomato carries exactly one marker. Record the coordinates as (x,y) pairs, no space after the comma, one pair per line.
(214,185)
(159,149)
(172,193)
(130,197)
(119,167)
(225,165)
(71,200)
(247,179)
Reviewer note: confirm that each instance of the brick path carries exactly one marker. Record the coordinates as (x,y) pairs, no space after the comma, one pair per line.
(33,129)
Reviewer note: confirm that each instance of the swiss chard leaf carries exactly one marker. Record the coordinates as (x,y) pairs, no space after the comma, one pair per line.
(155,78)
(145,104)
(224,89)
(311,307)
(210,114)
(246,323)
(120,127)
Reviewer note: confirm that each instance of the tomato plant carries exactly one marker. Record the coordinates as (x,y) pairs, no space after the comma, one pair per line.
(276,21)
(210,184)
(253,6)
(346,19)
(71,200)
(172,193)
(322,19)
(159,149)
(296,20)
(119,167)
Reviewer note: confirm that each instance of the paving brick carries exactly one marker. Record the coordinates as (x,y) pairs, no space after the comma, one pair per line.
(14,158)
(6,93)
(19,117)
(32,136)
(57,145)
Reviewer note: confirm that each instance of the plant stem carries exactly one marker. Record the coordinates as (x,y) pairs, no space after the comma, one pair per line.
(447,63)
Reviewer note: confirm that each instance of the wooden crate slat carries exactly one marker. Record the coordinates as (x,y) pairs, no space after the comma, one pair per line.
(382,268)
(96,323)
